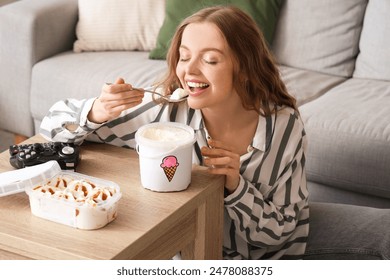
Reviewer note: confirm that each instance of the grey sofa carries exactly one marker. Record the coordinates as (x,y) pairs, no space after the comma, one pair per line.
(333,55)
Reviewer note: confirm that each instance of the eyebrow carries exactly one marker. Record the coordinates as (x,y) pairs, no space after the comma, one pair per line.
(203,50)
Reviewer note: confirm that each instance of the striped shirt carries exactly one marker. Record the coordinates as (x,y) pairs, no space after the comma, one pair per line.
(267,216)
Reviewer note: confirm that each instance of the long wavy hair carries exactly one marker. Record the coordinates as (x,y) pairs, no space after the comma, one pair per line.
(256,77)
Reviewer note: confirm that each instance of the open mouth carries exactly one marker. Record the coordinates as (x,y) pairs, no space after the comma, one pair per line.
(194,87)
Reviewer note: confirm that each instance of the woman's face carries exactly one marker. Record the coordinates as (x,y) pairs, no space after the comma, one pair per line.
(205,67)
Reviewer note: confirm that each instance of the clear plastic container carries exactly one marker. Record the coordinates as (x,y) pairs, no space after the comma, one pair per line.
(65,197)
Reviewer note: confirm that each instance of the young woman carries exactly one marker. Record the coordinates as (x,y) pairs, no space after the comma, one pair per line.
(247,128)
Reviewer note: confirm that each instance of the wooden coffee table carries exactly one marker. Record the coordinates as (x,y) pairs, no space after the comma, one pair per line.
(149,225)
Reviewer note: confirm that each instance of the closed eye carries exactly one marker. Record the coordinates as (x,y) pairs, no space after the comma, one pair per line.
(210,62)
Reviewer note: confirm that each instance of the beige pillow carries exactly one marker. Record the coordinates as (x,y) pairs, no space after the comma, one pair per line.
(118,25)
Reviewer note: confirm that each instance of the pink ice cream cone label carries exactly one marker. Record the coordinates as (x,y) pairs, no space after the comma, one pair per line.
(169,165)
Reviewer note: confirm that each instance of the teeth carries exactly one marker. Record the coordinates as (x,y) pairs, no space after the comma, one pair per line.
(196,85)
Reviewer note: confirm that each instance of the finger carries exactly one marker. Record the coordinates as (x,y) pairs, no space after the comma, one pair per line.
(216,144)
(223,171)
(116,88)
(117,109)
(125,95)
(111,104)
(214,152)
(119,81)
(118,96)
(126,106)
(222,163)
(219,161)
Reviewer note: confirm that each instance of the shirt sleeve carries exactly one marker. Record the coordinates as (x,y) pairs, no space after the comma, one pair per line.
(267,213)
(67,121)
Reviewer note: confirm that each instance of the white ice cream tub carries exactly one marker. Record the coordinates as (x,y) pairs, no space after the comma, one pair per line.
(165,155)
(53,203)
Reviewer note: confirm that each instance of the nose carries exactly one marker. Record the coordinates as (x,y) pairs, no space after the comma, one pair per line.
(192,66)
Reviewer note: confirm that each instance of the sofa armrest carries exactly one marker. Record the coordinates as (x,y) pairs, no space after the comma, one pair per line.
(30,31)
(40,28)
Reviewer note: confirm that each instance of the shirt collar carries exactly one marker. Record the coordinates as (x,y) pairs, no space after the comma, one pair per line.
(259,141)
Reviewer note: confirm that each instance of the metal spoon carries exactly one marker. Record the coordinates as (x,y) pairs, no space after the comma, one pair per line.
(165,97)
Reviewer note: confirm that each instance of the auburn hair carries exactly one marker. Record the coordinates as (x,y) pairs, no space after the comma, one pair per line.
(256,77)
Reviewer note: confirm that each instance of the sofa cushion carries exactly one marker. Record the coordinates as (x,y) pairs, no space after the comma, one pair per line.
(82,75)
(348,132)
(307,85)
(125,25)
(329,194)
(374,57)
(264,12)
(319,35)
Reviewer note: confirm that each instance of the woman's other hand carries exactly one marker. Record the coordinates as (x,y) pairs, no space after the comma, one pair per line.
(114,99)
(221,160)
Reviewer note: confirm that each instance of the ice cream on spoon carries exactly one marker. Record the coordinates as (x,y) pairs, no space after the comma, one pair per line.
(178,94)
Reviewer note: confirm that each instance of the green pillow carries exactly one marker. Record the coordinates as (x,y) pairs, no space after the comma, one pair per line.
(264,12)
